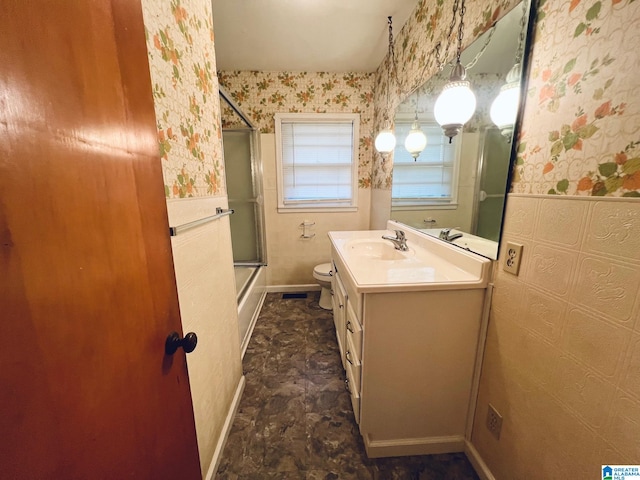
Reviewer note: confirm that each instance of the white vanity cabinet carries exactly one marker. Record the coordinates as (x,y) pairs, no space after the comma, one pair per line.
(410,358)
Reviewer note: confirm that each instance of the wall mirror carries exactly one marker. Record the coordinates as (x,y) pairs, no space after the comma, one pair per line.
(462,185)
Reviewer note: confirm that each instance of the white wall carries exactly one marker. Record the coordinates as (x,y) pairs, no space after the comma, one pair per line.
(206,291)
(291,258)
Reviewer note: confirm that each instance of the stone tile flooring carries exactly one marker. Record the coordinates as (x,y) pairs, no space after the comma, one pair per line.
(295,419)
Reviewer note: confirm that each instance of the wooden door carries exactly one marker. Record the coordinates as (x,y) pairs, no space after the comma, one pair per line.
(87,288)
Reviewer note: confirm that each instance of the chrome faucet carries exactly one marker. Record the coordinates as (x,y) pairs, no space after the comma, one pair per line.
(445,234)
(400,241)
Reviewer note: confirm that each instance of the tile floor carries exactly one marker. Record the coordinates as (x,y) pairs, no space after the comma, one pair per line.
(295,419)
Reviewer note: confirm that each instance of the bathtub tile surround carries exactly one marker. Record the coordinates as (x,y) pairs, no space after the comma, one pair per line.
(562,355)
(295,419)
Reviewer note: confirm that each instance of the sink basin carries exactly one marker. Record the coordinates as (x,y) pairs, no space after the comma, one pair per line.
(375,249)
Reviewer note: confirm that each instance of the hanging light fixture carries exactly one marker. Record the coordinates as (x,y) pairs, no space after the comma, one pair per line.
(457,103)
(416,141)
(504,108)
(385,141)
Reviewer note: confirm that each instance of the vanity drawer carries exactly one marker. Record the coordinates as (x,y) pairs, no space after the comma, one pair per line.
(355,395)
(339,302)
(353,363)
(354,297)
(354,330)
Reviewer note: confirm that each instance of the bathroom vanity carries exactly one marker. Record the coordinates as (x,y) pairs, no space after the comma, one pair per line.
(408,325)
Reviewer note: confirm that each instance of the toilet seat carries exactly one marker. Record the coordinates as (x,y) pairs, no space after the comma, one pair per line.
(322,271)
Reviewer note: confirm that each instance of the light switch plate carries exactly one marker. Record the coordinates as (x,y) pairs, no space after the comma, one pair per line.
(512,258)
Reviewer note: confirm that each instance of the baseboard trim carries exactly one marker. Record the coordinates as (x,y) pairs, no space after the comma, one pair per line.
(477,462)
(226,428)
(313,287)
(413,446)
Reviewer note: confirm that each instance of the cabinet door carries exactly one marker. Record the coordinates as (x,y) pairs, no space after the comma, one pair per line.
(339,312)
(353,329)
(354,365)
(354,392)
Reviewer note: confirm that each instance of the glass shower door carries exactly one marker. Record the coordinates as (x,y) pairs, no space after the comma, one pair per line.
(240,150)
(496,150)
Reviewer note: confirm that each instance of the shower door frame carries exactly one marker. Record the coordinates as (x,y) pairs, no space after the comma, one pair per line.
(256,178)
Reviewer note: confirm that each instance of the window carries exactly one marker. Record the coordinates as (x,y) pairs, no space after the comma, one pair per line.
(432,179)
(317,159)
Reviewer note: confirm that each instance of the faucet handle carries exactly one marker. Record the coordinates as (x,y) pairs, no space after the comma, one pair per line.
(399,234)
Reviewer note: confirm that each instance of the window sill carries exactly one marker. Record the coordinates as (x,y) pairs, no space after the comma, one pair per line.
(425,206)
(317,209)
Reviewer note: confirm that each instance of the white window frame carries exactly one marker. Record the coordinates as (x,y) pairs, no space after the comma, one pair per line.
(430,202)
(312,206)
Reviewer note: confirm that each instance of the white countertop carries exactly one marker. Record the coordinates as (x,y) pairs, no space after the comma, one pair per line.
(426,266)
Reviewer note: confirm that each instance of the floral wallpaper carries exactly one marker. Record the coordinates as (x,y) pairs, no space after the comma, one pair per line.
(262,94)
(416,60)
(180,46)
(581,129)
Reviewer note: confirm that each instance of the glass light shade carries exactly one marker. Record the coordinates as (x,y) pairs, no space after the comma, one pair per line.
(385,141)
(505,107)
(416,141)
(455,106)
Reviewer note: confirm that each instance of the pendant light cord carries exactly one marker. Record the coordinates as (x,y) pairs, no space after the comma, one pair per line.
(438,46)
(392,64)
(523,21)
(463,10)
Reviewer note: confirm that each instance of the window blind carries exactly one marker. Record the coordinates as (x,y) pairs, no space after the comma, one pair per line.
(429,179)
(317,162)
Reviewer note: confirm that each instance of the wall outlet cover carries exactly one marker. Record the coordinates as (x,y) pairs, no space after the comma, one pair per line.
(512,258)
(494,422)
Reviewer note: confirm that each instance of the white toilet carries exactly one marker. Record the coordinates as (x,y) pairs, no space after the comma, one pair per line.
(322,273)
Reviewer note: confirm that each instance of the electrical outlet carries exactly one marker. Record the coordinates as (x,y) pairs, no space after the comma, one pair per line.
(494,421)
(512,258)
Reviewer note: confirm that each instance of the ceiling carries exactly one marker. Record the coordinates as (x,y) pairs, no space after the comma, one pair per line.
(305,35)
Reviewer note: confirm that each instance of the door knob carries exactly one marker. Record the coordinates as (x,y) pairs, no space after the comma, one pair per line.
(173,342)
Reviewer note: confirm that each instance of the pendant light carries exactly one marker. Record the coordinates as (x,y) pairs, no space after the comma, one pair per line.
(457,103)
(385,141)
(416,141)
(504,108)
